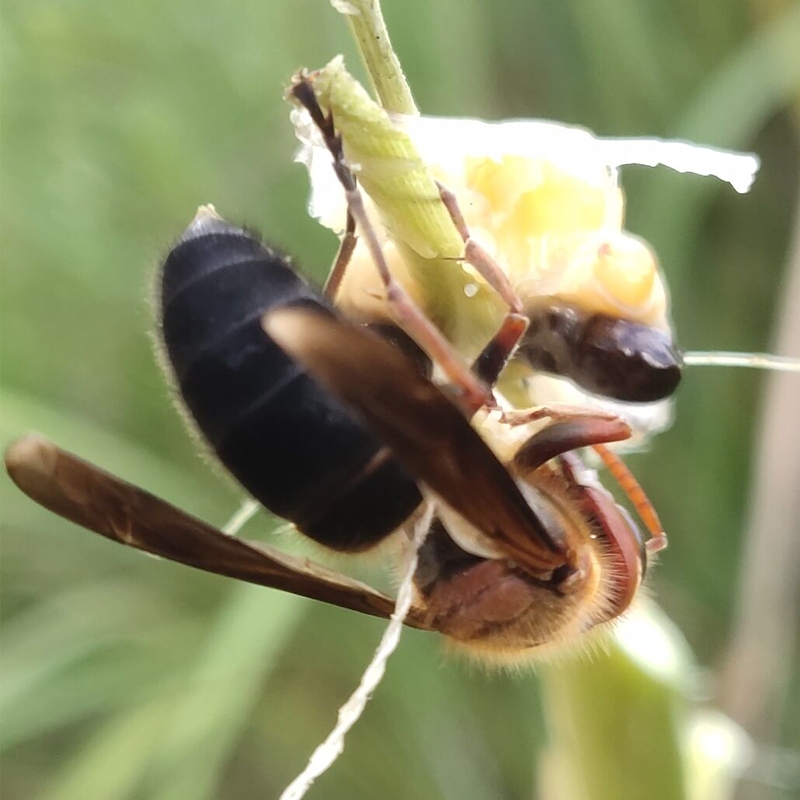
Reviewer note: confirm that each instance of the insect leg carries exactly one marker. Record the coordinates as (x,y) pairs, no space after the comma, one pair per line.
(477,257)
(497,353)
(634,492)
(584,430)
(571,426)
(525,416)
(404,310)
(346,248)
(575,427)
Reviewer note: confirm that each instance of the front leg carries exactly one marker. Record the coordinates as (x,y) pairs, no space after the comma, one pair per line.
(346,248)
(573,427)
(470,393)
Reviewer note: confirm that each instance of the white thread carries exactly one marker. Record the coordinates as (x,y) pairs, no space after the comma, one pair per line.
(246,511)
(333,746)
(711,358)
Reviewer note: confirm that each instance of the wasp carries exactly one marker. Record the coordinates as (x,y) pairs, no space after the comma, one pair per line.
(339,427)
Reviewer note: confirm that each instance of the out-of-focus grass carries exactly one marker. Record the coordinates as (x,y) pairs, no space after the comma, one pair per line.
(123,677)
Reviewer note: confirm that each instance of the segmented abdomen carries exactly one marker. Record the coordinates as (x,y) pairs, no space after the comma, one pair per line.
(287,441)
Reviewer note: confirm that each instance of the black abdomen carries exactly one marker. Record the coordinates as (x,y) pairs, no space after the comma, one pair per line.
(606,355)
(293,446)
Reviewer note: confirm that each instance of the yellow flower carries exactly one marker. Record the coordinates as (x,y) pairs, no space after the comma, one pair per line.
(541,197)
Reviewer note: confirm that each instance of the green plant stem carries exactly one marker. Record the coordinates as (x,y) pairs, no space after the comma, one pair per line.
(369,30)
(392,173)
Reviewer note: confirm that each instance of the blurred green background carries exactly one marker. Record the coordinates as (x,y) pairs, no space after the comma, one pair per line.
(123,677)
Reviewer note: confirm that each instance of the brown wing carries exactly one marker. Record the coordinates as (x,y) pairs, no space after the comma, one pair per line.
(100,502)
(426,431)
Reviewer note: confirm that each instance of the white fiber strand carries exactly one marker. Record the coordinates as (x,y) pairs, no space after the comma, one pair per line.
(333,746)
(246,511)
(711,358)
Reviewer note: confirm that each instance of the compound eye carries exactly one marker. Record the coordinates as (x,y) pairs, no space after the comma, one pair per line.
(625,546)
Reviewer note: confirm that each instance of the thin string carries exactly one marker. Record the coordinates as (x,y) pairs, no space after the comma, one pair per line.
(246,511)
(333,746)
(711,358)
